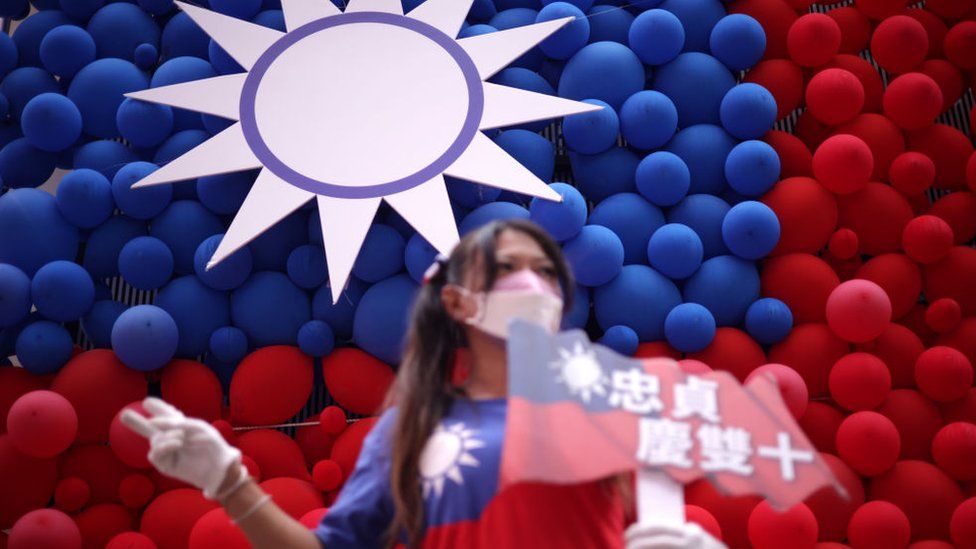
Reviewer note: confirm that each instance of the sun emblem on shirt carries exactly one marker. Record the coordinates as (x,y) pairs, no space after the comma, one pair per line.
(446,452)
(580,371)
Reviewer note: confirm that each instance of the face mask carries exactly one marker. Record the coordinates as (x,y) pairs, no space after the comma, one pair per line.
(522,295)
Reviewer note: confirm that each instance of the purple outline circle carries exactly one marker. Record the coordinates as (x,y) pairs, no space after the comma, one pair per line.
(476,104)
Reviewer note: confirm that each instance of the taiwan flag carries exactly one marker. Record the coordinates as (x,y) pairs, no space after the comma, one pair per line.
(578,412)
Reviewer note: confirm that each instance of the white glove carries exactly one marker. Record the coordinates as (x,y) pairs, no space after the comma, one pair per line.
(187,449)
(655,536)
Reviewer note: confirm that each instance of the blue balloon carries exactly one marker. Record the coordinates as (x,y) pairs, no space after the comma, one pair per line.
(495,211)
(524,79)
(51,122)
(570,38)
(703,148)
(15,299)
(579,314)
(689,327)
(121,27)
(270,309)
(229,273)
(85,198)
(675,251)
(175,146)
(182,37)
(633,219)
(380,323)
(8,55)
(663,178)
(752,168)
(98,323)
(381,255)
(510,18)
(608,173)
(695,83)
(704,214)
(215,124)
(697,17)
(66,49)
(468,194)
(595,254)
(197,311)
(62,291)
(769,320)
(748,111)
(315,338)
(31,31)
(340,314)
(43,347)
(307,267)
(106,242)
(145,338)
(581,4)
(146,263)
(33,232)
(620,339)
(418,256)
(750,230)
(738,41)
(509,4)
(81,9)
(221,61)
(592,132)
(563,220)
(656,36)
(145,56)
(144,124)
(98,90)
(241,9)
(183,225)
(24,84)
(105,156)
(482,10)
(531,150)
(609,24)
(648,119)
(157,7)
(144,202)
(725,285)
(607,71)
(476,30)
(271,248)
(273,19)
(14,9)
(639,298)
(228,344)
(24,165)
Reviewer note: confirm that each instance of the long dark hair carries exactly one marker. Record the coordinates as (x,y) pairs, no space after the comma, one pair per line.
(423,392)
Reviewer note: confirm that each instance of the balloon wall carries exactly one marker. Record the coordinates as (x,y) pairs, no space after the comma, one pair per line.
(772,188)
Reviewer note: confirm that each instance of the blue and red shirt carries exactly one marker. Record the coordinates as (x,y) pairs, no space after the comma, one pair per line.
(462,503)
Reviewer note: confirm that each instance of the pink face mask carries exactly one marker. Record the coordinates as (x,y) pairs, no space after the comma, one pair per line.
(521,295)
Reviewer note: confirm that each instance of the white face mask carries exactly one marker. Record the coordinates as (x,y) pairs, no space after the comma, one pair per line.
(522,295)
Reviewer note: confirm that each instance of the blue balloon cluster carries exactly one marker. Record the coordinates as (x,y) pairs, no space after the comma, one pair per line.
(659,218)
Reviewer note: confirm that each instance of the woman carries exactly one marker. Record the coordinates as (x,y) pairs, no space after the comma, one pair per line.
(427,473)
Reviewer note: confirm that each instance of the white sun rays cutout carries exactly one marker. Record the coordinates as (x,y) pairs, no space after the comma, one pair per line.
(353,108)
(580,371)
(446,451)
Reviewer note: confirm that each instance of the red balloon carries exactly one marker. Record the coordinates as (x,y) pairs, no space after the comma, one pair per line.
(327,475)
(971,171)
(917,420)
(791,386)
(226,430)
(357,381)
(881,135)
(811,131)
(915,321)
(855,29)
(866,73)
(958,209)
(912,101)
(879,525)
(859,381)
(943,315)
(252,467)
(962,339)
(45,529)
(820,422)
(949,148)
(97,466)
(695,367)
(295,497)
(943,374)
(703,518)
(962,525)
(897,347)
(923,492)
(28,482)
(858,310)
(14,383)
(769,529)
(953,277)
(899,44)
(170,517)
(959,45)
(42,423)
(98,385)
(843,164)
(312,518)
(732,350)
(879,9)
(214,529)
(962,410)
(776,18)
(129,446)
(898,276)
(803,282)
(807,215)
(314,442)
(131,540)
(783,79)
(954,450)
(732,513)
(136,490)
(277,454)
(843,244)
(878,214)
(935,28)
(347,446)
(100,523)
(794,157)
(71,494)
(333,420)
(911,173)
(657,349)
(271,385)
(810,349)
(947,77)
(831,510)
(834,96)
(813,40)
(193,388)
(868,442)
(931,544)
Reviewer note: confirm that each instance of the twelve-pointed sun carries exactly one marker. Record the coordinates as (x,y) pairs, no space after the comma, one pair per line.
(446,451)
(353,108)
(580,371)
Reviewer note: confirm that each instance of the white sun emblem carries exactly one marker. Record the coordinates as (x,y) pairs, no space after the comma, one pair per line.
(446,451)
(580,372)
(353,108)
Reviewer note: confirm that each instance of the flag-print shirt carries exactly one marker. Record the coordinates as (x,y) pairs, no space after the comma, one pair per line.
(462,505)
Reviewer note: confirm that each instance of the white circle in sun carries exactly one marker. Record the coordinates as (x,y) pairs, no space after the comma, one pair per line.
(441,454)
(580,371)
